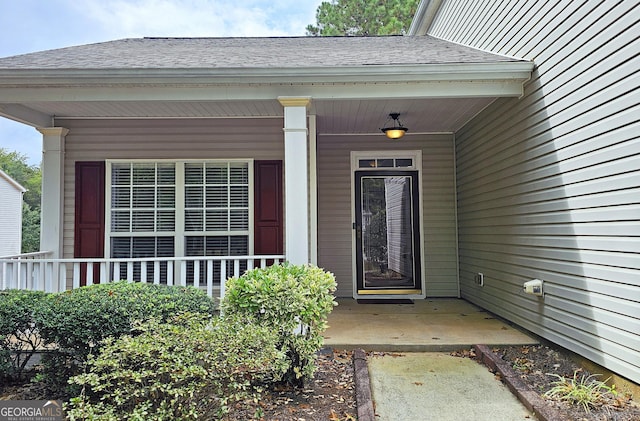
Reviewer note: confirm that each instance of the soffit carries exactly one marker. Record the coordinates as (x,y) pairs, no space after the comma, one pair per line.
(333,116)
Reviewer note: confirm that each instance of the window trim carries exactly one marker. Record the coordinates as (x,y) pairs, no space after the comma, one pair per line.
(179,232)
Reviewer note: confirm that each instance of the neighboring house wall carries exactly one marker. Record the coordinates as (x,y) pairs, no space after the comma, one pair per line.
(199,139)
(399,232)
(549,184)
(335,247)
(10,216)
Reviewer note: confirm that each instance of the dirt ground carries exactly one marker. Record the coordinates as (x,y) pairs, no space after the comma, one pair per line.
(329,396)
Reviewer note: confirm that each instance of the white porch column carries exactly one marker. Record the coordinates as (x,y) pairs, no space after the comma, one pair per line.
(296,179)
(52,189)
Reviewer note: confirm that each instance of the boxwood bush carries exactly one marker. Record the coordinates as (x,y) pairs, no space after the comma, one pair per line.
(77,321)
(19,337)
(294,300)
(190,368)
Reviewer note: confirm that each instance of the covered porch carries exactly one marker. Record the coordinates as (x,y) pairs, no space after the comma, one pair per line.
(431,325)
(157,174)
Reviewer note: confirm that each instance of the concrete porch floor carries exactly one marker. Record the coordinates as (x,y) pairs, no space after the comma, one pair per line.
(437,324)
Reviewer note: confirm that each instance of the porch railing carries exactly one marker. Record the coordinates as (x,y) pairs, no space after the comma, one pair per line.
(37,271)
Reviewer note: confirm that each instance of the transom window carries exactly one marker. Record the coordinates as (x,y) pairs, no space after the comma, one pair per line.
(369,163)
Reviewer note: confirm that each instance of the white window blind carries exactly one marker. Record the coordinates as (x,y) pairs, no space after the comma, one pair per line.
(143,197)
(146,217)
(216,197)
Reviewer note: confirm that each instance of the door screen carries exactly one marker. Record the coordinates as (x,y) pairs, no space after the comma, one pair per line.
(387,232)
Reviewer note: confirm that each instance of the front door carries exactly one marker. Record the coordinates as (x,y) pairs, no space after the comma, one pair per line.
(387,232)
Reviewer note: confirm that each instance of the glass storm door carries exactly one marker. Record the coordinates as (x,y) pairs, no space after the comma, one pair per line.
(387,232)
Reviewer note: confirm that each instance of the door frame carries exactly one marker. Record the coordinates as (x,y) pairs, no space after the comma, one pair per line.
(416,156)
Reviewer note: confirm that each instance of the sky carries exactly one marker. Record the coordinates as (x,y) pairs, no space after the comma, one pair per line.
(28,26)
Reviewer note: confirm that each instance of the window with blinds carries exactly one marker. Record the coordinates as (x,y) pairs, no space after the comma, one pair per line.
(148,220)
(216,197)
(143,197)
(216,212)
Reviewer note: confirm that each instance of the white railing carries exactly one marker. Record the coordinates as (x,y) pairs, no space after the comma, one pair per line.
(34,271)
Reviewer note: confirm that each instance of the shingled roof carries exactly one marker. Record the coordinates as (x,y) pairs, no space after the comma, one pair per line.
(245,53)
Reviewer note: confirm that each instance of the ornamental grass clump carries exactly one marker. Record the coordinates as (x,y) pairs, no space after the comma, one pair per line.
(586,391)
(293,300)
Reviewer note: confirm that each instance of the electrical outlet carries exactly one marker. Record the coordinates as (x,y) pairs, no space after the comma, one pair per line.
(479,279)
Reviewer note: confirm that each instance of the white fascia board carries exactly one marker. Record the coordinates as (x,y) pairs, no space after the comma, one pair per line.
(257,76)
(250,92)
(419,81)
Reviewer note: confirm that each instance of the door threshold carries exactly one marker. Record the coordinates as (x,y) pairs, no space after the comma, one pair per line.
(389,292)
(384,301)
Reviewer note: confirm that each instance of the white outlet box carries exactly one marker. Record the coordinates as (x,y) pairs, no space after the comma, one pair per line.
(534,287)
(479,279)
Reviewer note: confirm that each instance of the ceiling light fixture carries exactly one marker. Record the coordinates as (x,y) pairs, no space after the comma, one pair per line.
(397,130)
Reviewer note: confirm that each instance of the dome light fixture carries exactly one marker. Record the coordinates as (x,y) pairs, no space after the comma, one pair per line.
(396,131)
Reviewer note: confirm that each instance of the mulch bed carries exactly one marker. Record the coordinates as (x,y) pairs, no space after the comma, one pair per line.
(331,394)
(530,371)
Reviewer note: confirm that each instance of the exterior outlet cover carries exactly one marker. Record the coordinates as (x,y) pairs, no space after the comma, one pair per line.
(533,287)
(479,279)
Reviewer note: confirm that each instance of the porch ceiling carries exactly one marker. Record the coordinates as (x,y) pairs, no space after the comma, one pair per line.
(357,116)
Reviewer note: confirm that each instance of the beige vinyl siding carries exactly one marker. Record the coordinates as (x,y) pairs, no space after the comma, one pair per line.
(549,184)
(335,247)
(97,140)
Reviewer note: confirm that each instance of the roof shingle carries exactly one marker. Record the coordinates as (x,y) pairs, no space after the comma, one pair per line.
(244,53)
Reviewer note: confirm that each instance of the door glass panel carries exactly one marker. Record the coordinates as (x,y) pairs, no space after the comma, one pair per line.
(387,233)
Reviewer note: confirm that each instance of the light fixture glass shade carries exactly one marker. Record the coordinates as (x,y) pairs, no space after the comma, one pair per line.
(397,130)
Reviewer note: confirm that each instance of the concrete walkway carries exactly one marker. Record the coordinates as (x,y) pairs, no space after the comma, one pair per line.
(439,387)
(415,379)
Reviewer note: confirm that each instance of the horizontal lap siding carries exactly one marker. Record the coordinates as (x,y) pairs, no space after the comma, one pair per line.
(94,140)
(549,184)
(335,248)
(10,218)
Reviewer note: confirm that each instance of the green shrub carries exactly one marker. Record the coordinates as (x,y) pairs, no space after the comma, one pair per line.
(294,300)
(19,337)
(190,368)
(80,319)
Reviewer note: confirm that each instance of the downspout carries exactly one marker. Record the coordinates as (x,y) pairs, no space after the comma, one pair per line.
(424,17)
(455,211)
